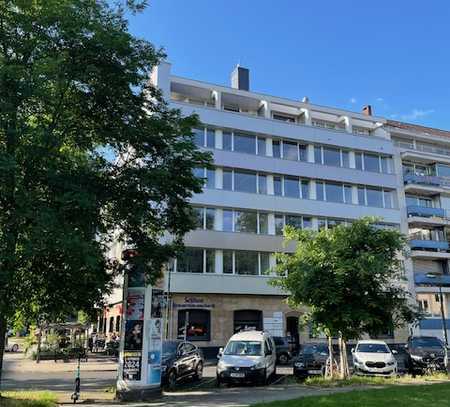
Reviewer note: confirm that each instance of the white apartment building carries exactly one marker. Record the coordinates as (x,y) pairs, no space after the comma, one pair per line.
(423,157)
(276,161)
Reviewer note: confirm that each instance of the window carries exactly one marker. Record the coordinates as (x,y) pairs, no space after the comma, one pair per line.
(227,225)
(227,180)
(111,324)
(244,181)
(348,194)
(247,319)
(210,138)
(244,143)
(246,262)
(386,165)
(317,154)
(210,214)
(279,224)
(264,263)
(245,221)
(388,199)
(345,159)
(227,143)
(333,192)
(322,223)
(263,223)
(277,188)
(262,184)
(210,179)
(294,221)
(283,117)
(319,191)
(190,261)
(371,162)
(118,323)
(276,150)
(374,197)
(304,189)
(331,156)
(303,152)
(228,262)
(307,223)
(290,150)
(358,161)
(210,264)
(261,146)
(198,213)
(291,187)
(194,324)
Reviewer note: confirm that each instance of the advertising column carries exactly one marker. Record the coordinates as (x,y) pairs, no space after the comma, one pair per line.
(139,373)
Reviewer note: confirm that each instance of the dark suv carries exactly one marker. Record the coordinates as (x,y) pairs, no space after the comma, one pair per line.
(284,354)
(424,353)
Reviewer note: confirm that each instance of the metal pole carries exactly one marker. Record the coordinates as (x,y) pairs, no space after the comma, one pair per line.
(444,322)
(186,323)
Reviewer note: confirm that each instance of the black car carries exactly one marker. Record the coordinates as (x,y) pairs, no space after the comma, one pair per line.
(180,360)
(283,349)
(311,360)
(425,353)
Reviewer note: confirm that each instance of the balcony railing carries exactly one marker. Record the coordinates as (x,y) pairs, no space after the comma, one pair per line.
(423,147)
(423,279)
(426,212)
(439,245)
(428,180)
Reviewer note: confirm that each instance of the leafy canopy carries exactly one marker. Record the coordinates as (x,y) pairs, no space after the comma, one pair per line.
(349,277)
(74,97)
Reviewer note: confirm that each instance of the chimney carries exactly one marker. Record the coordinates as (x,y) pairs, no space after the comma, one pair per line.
(367,110)
(240,78)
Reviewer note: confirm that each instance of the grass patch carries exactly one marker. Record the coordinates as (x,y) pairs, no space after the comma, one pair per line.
(435,395)
(320,381)
(27,399)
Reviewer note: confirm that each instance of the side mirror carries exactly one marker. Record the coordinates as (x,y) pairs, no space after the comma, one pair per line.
(394,351)
(406,346)
(353,350)
(219,355)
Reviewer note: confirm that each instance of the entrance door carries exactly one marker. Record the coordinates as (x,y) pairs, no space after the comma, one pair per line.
(292,333)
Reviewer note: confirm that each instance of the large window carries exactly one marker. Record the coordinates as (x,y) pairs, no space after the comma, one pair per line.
(196,260)
(335,157)
(290,150)
(373,162)
(205,217)
(291,187)
(245,262)
(296,221)
(245,221)
(208,176)
(247,319)
(333,192)
(244,143)
(205,137)
(376,197)
(194,324)
(243,181)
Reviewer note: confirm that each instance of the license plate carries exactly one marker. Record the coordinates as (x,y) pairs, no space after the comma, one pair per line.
(237,375)
(314,371)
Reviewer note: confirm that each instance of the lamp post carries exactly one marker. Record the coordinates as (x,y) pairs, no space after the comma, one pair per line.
(441,300)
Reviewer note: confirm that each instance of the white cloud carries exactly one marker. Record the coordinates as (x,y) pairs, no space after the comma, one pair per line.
(353,100)
(380,100)
(417,114)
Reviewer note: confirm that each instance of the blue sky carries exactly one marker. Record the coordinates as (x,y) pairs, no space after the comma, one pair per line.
(392,54)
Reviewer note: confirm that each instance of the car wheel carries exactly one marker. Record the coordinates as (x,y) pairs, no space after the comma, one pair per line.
(199,371)
(15,348)
(172,380)
(263,380)
(283,359)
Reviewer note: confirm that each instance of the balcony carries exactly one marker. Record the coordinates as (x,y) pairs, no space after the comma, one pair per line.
(438,245)
(425,212)
(425,184)
(423,279)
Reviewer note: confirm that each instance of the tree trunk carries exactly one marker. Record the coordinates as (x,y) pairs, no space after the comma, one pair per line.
(341,359)
(330,372)
(2,346)
(39,341)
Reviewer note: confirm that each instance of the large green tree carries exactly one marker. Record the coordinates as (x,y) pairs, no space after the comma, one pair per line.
(87,147)
(350,280)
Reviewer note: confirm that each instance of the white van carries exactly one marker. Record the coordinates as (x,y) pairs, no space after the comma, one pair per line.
(249,356)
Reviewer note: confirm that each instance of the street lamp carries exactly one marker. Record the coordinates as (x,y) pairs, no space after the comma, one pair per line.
(441,300)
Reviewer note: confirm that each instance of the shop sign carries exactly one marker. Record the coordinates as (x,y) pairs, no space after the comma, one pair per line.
(132,365)
(194,302)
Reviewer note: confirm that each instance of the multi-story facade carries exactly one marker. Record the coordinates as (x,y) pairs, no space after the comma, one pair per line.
(276,162)
(423,162)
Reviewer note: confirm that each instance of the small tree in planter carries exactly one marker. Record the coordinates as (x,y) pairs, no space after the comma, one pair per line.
(349,278)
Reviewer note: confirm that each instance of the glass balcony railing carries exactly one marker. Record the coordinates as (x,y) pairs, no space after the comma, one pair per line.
(429,180)
(426,212)
(424,279)
(419,244)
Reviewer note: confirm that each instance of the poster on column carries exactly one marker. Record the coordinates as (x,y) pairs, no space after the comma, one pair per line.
(132,365)
(154,350)
(135,305)
(133,335)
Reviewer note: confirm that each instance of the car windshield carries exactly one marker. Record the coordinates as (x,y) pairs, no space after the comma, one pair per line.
(426,343)
(372,348)
(169,349)
(279,341)
(311,349)
(250,348)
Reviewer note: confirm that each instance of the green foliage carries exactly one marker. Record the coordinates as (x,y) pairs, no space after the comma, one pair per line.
(87,148)
(349,277)
(28,399)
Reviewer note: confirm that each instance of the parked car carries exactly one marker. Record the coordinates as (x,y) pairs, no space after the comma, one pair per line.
(180,360)
(371,357)
(426,353)
(10,347)
(249,356)
(312,360)
(282,346)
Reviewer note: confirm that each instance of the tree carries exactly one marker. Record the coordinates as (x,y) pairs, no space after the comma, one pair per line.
(349,278)
(74,97)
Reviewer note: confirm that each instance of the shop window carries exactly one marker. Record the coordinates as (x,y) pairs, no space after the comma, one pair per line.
(118,323)
(196,323)
(247,320)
